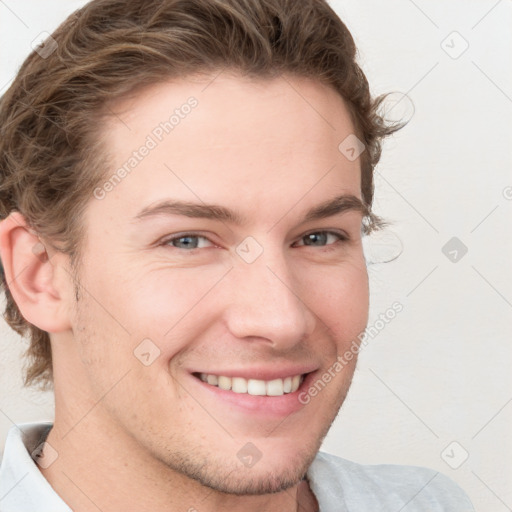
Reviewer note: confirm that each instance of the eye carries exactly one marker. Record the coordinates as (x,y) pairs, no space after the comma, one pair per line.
(191,241)
(187,241)
(322,238)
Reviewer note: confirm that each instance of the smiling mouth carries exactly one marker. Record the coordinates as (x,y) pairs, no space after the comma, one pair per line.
(256,387)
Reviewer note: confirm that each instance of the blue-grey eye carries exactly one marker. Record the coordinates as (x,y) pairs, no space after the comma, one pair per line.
(187,242)
(316,239)
(321,238)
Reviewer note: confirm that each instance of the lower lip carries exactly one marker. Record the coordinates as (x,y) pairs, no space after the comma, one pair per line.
(283,405)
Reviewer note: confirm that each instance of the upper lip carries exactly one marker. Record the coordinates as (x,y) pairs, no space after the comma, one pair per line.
(261,373)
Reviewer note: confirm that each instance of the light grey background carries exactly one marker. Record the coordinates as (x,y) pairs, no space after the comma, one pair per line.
(438,373)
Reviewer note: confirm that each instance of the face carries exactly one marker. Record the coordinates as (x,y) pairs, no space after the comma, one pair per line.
(196,323)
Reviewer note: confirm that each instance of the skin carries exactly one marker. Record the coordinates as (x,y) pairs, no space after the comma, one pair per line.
(149,438)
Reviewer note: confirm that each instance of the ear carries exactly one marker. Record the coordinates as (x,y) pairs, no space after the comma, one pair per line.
(32,277)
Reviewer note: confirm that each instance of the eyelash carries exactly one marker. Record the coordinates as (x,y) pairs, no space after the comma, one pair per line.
(341,238)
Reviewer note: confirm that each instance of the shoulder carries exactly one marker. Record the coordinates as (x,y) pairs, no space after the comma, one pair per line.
(379,487)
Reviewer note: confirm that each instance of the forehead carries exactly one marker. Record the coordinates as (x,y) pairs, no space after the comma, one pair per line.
(211,138)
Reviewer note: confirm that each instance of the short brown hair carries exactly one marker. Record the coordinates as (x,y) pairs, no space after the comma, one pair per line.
(50,159)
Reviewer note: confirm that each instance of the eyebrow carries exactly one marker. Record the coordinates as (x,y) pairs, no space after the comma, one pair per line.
(329,208)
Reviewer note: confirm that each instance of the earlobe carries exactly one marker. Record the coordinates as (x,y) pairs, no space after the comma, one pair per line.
(30,275)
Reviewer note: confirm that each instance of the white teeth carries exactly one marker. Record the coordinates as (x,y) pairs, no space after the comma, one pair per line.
(211,379)
(256,387)
(295,383)
(239,385)
(224,382)
(275,387)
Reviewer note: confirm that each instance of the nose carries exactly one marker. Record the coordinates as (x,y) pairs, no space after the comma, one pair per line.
(265,304)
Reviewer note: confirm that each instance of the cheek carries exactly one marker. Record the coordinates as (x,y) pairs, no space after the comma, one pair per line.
(155,298)
(171,294)
(340,296)
(168,306)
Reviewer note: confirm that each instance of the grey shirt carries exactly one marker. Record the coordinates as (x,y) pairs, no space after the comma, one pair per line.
(338,484)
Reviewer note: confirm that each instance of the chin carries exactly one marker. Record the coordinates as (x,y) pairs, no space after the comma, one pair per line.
(257,480)
(266,475)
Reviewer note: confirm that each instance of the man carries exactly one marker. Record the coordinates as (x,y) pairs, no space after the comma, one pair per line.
(184,189)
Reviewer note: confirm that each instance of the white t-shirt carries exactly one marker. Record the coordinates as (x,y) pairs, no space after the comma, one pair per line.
(338,484)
